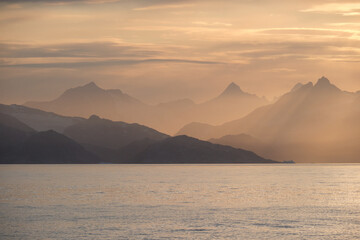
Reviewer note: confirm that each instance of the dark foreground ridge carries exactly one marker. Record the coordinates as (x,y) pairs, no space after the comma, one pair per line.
(22,145)
(184,149)
(19,144)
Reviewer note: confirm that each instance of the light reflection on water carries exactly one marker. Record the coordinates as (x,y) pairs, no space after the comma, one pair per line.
(180,201)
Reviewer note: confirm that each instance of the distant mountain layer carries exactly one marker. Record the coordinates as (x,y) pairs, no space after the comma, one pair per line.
(113,104)
(116,142)
(87,100)
(312,123)
(242,141)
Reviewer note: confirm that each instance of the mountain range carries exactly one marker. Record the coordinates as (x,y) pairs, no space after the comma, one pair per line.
(168,117)
(312,123)
(97,140)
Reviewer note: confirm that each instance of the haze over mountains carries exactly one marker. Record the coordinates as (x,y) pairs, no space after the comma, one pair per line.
(312,123)
(113,104)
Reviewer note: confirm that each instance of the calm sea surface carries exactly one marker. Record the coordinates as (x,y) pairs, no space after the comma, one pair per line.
(180,201)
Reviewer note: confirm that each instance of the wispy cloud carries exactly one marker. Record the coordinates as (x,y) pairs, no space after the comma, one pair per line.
(136,40)
(161,7)
(346,9)
(58,2)
(277,70)
(76,50)
(112,62)
(216,24)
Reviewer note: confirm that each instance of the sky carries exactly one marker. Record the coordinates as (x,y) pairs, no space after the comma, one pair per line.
(163,50)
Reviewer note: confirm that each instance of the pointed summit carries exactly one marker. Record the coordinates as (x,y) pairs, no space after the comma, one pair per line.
(231,90)
(90,85)
(86,89)
(323,81)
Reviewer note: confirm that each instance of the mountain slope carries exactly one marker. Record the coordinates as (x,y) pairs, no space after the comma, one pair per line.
(21,144)
(242,141)
(12,133)
(183,149)
(108,134)
(52,147)
(12,122)
(37,119)
(232,103)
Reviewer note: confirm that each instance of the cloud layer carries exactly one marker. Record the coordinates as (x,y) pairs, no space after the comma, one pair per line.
(167,49)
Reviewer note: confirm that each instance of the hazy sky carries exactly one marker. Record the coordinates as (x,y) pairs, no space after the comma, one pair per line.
(159,50)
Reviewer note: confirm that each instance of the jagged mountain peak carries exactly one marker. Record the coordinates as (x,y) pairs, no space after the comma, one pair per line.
(232,89)
(323,81)
(91,85)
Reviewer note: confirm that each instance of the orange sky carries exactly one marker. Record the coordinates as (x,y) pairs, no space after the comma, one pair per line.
(163,50)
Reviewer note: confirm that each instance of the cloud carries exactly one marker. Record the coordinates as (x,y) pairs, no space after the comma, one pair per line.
(161,7)
(216,24)
(291,51)
(346,9)
(113,62)
(277,70)
(58,1)
(308,31)
(143,4)
(16,19)
(75,50)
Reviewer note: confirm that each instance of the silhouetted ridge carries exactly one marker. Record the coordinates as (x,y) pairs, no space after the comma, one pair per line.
(101,132)
(94,118)
(184,149)
(38,119)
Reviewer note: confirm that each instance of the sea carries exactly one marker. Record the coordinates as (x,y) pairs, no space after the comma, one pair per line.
(244,201)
